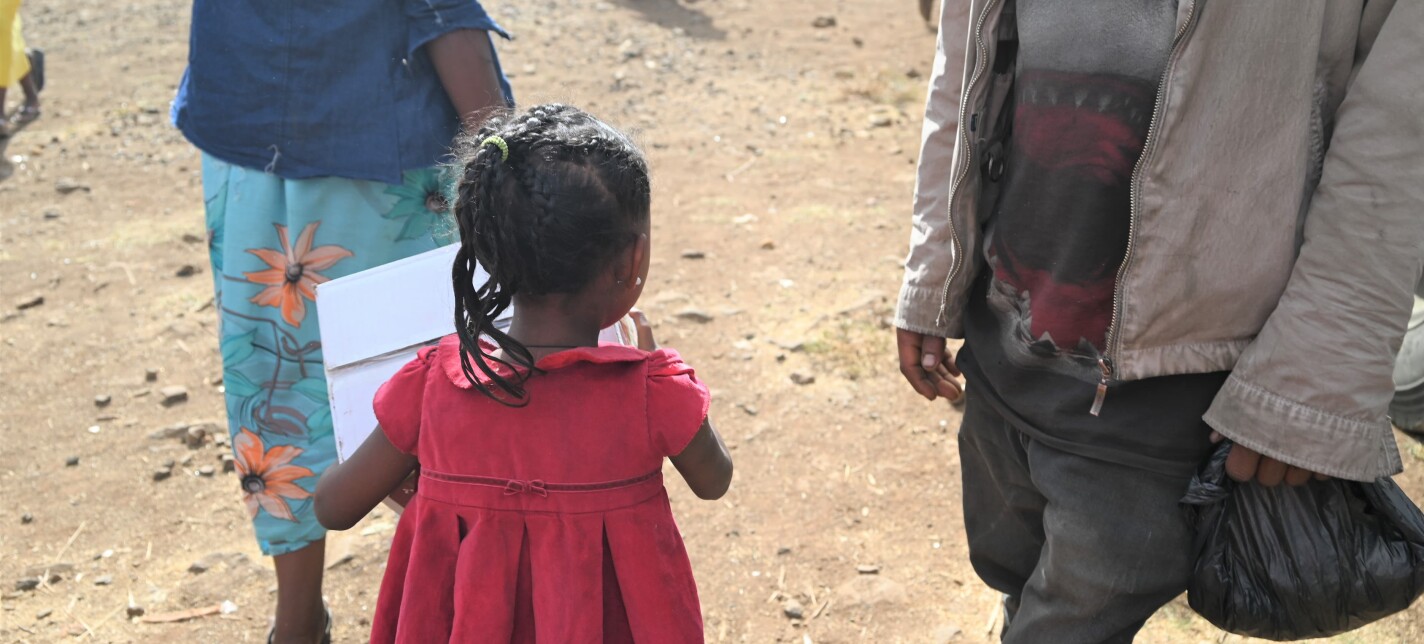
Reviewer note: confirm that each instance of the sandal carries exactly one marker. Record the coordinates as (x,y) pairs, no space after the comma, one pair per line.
(27,113)
(325,637)
(36,57)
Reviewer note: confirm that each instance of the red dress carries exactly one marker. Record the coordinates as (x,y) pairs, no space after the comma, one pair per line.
(543,523)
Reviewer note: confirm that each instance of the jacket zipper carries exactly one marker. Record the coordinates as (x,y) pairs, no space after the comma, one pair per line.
(1105,363)
(979,66)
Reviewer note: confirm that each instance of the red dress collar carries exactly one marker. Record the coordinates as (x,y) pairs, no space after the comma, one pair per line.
(448,354)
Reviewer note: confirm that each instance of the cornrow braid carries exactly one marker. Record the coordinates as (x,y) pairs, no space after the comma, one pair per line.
(572,193)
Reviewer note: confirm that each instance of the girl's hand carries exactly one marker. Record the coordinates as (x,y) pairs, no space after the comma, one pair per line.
(645,330)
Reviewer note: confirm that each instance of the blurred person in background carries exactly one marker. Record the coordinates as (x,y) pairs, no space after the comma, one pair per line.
(322,128)
(18,66)
(1155,224)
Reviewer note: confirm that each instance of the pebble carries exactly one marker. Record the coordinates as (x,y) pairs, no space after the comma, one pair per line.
(947,633)
(868,569)
(750,409)
(170,432)
(190,238)
(694,315)
(768,245)
(693,254)
(870,590)
(44,613)
(824,22)
(51,214)
(802,378)
(160,474)
(228,463)
(187,270)
(882,118)
(27,518)
(134,610)
(29,302)
(150,375)
(27,583)
(793,609)
(783,550)
(196,436)
(104,580)
(103,400)
(71,461)
(199,567)
(207,471)
(173,395)
(67,185)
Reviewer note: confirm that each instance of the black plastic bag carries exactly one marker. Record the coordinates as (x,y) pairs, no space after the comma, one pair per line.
(1289,563)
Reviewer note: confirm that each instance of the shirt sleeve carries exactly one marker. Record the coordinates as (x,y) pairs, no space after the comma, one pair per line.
(431,19)
(399,402)
(677,402)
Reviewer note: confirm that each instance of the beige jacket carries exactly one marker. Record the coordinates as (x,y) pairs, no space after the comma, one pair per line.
(1278,215)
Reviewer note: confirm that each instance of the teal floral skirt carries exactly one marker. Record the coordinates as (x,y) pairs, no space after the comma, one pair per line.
(272,240)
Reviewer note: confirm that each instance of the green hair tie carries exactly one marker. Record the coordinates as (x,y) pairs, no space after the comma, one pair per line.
(498,142)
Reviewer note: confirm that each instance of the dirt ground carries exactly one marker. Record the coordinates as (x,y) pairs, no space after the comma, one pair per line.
(783,150)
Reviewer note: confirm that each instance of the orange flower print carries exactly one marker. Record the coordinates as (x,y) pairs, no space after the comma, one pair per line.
(267,476)
(293,276)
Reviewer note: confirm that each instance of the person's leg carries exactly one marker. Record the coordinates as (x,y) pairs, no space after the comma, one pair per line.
(1118,547)
(280,442)
(1003,511)
(301,617)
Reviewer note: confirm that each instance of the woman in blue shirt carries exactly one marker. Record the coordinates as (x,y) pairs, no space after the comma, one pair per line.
(321,126)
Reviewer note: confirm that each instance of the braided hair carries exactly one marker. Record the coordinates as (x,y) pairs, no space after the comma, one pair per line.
(541,214)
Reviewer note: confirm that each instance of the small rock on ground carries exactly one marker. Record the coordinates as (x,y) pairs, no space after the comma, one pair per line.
(207,471)
(103,400)
(824,22)
(693,254)
(29,302)
(27,518)
(161,474)
(802,378)
(44,613)
(134,610)
(173,395)
(67,185)
(72,461)
(104,580)
(150,375)
(793,609)
(870,590)
(695,315)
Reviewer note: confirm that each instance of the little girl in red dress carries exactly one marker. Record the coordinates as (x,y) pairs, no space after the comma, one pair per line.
(540,514)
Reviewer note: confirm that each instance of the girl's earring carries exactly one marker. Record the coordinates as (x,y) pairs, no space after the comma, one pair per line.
(638,282)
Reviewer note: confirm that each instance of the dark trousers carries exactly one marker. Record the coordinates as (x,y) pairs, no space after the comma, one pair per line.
(1084,550)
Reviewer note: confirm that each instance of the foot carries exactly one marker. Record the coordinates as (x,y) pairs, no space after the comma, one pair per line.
(28,112)
(323,638)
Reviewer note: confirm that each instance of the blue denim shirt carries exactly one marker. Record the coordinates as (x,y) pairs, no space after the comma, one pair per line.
(316,88)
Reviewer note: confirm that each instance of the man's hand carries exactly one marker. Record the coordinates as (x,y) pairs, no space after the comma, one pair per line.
(1244,464)
(928,367)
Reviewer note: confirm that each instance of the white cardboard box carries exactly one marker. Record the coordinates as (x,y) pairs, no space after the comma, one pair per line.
(373,323)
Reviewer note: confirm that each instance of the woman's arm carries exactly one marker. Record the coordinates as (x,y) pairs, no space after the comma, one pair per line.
(464,60)
(348,491)
(705,463)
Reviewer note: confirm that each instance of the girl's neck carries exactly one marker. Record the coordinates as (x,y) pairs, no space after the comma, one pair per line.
(549,324)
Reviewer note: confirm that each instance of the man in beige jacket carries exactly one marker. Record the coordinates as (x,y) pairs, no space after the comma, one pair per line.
(1153,222)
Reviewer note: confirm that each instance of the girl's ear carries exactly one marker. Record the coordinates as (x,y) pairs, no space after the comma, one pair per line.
(629,268)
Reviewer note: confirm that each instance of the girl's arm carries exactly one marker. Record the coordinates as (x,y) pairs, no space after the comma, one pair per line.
(705,463)
(348,491)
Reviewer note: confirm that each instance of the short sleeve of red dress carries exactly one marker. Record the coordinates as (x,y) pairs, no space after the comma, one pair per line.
(398,403)
(677,402)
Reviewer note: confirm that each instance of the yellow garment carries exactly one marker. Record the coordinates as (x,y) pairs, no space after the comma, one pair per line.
(14,64)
